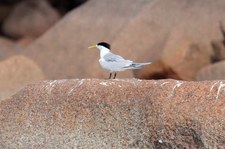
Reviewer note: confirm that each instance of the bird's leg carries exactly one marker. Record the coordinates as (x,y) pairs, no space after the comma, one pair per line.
(114,76)
(110,75)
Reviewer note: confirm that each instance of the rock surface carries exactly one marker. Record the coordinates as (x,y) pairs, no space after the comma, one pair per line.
(212,72)
(30,18)
(115,114)
(15,73)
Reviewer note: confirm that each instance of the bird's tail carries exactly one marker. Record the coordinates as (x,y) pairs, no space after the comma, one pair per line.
(137,65)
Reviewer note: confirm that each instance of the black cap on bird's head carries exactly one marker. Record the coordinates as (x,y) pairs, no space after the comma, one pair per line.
(104,44)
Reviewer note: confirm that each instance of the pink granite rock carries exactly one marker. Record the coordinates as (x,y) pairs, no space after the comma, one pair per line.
(115,114)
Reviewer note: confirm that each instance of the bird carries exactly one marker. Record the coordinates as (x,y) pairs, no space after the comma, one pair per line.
(112,62)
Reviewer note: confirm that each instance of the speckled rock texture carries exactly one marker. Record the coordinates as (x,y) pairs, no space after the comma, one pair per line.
(130,113)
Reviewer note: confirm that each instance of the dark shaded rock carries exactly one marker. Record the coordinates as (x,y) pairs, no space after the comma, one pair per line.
(4,12)
(30,18)
(10,2)
(65,6)
(162,145)
(59,4)
(219,51)
(115,114)
(157,70)
(219,46)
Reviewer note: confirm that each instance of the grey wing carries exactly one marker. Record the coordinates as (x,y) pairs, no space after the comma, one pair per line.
(113,58)
(117,61)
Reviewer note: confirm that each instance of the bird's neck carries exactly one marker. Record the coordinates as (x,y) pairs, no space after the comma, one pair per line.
(103,52)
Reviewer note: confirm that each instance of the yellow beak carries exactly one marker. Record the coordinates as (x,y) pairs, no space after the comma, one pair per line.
(94,46)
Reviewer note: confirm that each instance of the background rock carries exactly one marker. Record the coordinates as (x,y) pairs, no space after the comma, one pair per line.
(157,70)
(4,12)
(25,42)
(68,56)
(115,114)
(7,48)
(212,72)
(16,72)
(219,46)
(173,26)
(59,4)
(65,6)
(146,31)
(144,37)
(11,1)
(181,63)
(187,58)
(219,50)
(30,18)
